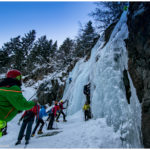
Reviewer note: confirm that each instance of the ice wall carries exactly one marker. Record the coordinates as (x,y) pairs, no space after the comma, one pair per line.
(108,99)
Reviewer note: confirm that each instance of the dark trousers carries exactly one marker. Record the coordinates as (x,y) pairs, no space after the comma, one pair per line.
(25,124)
(88,98)
(40,120)
(50,125)
(87,115)
(61,112)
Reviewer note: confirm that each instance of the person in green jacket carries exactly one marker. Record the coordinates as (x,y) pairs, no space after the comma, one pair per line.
(11,99)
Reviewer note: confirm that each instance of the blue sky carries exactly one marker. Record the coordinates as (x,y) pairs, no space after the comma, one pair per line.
(56,20)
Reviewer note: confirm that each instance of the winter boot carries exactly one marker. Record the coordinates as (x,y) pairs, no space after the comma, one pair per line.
(57,120)
(27,142)
(18,142)
(40,132)
(4,133)
(64,120)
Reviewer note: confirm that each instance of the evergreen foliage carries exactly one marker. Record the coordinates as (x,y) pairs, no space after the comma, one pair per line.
(107,13)
(20,52)
(86,40)
(27,54)
(65,53)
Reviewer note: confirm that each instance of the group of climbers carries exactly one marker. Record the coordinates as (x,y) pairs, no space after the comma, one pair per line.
(39,112)
(13,102)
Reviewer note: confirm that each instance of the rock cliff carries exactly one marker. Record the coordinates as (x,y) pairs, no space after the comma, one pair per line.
(138,46)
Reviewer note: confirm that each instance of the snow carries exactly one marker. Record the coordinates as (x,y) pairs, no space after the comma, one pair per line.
(2,76)
(28,92)
(76,133)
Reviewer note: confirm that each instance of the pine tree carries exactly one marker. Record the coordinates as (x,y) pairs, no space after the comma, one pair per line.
(17,50)
(28,41)
(27,46)
(44,48)
(18,57)
(66,50)
(107,13)
(86,40)
(14,53)
(67,46)
(4,59)
(54,49)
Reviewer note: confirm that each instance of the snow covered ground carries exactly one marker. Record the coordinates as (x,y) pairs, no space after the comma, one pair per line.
(76,133)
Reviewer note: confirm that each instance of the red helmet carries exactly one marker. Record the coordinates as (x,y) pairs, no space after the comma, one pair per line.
(14,74)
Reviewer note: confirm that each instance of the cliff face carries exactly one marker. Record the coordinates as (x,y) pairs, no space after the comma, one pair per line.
(138,46)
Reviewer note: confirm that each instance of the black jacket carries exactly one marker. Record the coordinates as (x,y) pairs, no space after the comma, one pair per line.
(8,82)
(87,89)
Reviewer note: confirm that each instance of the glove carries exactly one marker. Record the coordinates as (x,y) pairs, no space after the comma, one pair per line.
(20,111)
(19,122)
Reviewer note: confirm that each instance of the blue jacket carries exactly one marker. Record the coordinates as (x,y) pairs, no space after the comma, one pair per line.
(42,112)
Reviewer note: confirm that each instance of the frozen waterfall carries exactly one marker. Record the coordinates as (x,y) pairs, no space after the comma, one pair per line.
(104,70)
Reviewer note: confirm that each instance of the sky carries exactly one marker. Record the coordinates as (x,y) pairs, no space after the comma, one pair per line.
(56,20)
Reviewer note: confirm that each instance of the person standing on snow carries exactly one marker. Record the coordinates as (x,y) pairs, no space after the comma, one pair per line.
(40,120)
(11,99)
(61,111)
(53,114)
(87,111)
(28,119)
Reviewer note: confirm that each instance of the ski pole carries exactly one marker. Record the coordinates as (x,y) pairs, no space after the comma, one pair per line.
(56,125)
(42,87)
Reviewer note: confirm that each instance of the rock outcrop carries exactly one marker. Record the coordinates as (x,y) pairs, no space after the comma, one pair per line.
(53,89)
(138,46)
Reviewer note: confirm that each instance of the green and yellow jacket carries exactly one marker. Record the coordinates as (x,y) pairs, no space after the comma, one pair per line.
(12,101)
(86,107)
